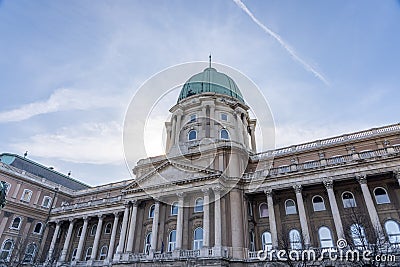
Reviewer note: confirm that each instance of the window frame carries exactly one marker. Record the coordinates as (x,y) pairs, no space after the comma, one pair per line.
(323,203)
(192,118)
(93,228)
(395,234)
(267,246)
(357,237)
(151,211)
(197,206)
(226,131)
(147,243)
(106,228)
(188,135)
(73,255)
(295,244)
(101,254)
(259,210)
(252,241)
(8,251)
(321,240)
(87,257)
(40,230)
(24,193)
(344,201)
(175,205)
(19,224)
(386,194)
(30,254)
(198,243)
(49,202)
(171,244)
(294,207)
(222,116)
(79,232)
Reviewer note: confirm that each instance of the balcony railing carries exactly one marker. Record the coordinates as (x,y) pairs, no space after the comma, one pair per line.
(189,253)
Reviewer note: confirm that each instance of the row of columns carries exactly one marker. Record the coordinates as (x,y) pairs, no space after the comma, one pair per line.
(373,214)
(82,240)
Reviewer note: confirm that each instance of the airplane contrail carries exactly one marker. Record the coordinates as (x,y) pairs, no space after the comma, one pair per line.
(276,36)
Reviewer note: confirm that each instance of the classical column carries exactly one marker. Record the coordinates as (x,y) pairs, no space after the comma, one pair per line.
(397,175)
(239,128)
(271,218)
(217,217)
(173,129)
(373,214)
(245,133)
(113,237)
(97,238)
(236,223)
(67,240)
(302,215)
(132,227)
(179,221)
(253,137)
(122,236)
(82,239)
(212,119)
(178,125)
(334,207)
(206,218)
(53,241)
(154,229)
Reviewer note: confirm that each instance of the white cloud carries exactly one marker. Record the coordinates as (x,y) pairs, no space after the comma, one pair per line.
(96,143)
(61,100)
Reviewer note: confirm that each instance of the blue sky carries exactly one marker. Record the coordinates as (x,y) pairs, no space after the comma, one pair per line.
(68,69)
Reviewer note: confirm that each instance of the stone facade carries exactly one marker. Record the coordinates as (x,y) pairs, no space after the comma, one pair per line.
(211,200)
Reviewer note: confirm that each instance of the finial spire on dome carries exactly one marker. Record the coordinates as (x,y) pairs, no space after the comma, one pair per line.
(209,57)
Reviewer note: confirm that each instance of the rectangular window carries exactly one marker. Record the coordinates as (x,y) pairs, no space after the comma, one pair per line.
(46,202)
(224,117)
(26,195)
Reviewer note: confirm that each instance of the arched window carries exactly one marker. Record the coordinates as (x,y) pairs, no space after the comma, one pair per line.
(295,239)
(79,233)
(192,135)
(107,229)
(325,237)
(38,228)
(318,203)
(393,232)
(88,253)
(263,210)
(358,236)
(198,205)
(93,230)
(73,256)
(30,252)
(151,211)
(348,200)
(6,250)
(172,240)
(252,245)
(147,243)
(46,202)
(266,241)
(290,207)
(103,252)
(174,208)
(381,196)
(26,195)
(224,134)
(16,223)
(198,238)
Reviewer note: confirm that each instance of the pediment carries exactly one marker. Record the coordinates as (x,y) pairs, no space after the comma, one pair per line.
(171,172)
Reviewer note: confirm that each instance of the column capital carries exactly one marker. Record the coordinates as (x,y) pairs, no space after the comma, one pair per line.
(179,112)
(100,216)
(135,202)
(268,192)
(85,218)
(297,188)
(362,178)
(206,191)
(328,183)
(217,189)
(116,213)
(72,220)
(180,195)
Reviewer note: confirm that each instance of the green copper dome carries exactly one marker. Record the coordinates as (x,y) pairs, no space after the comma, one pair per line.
(210,81)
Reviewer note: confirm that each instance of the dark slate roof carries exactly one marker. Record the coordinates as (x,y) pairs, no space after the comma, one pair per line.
(41,171)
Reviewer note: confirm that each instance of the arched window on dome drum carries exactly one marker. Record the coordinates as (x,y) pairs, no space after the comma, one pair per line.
(198,206)
(393,232)
(224,134)
(198,238)
(295,239)
(325,237)
(318,203)
(174,208)
(266,241)
(192,135)
(381,196)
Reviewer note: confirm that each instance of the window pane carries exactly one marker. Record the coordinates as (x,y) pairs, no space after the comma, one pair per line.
(381,196)
(263,210)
